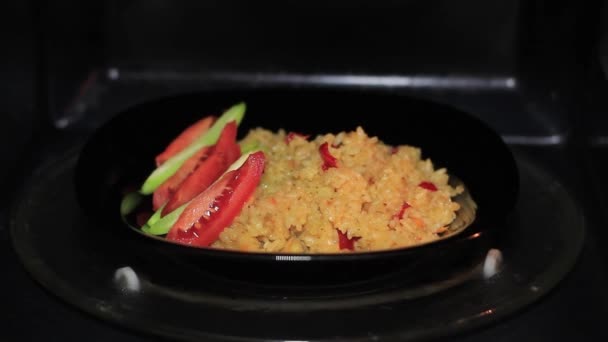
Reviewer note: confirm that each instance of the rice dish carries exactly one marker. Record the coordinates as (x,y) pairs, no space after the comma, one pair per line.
(376,197)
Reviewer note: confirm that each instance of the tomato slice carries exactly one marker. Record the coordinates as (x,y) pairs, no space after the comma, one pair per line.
(166,190)
(222,155)
(185,138)
(215,208)
(202,169)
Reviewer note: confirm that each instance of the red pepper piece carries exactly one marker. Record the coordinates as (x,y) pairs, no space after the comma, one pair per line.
(185,138)
(289,137)
(399,215)
(344,242)
(428,185)
(329,161)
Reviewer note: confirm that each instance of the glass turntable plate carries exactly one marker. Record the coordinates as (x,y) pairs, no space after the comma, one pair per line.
(107,276)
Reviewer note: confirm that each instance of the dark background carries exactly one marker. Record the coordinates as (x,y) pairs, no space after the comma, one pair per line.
(533,70)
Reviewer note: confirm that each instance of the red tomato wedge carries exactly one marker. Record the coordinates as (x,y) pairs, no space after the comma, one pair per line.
(198,172)
(185,138)
(222,155)
(215,208)
(166,190)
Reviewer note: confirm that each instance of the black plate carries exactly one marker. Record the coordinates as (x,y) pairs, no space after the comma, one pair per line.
(121,154)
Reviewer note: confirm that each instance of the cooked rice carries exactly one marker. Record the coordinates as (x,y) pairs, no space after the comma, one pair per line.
(298,207)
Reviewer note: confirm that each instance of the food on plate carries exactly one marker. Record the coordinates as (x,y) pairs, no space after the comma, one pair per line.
(287,192)
(198,172)
(186,150)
